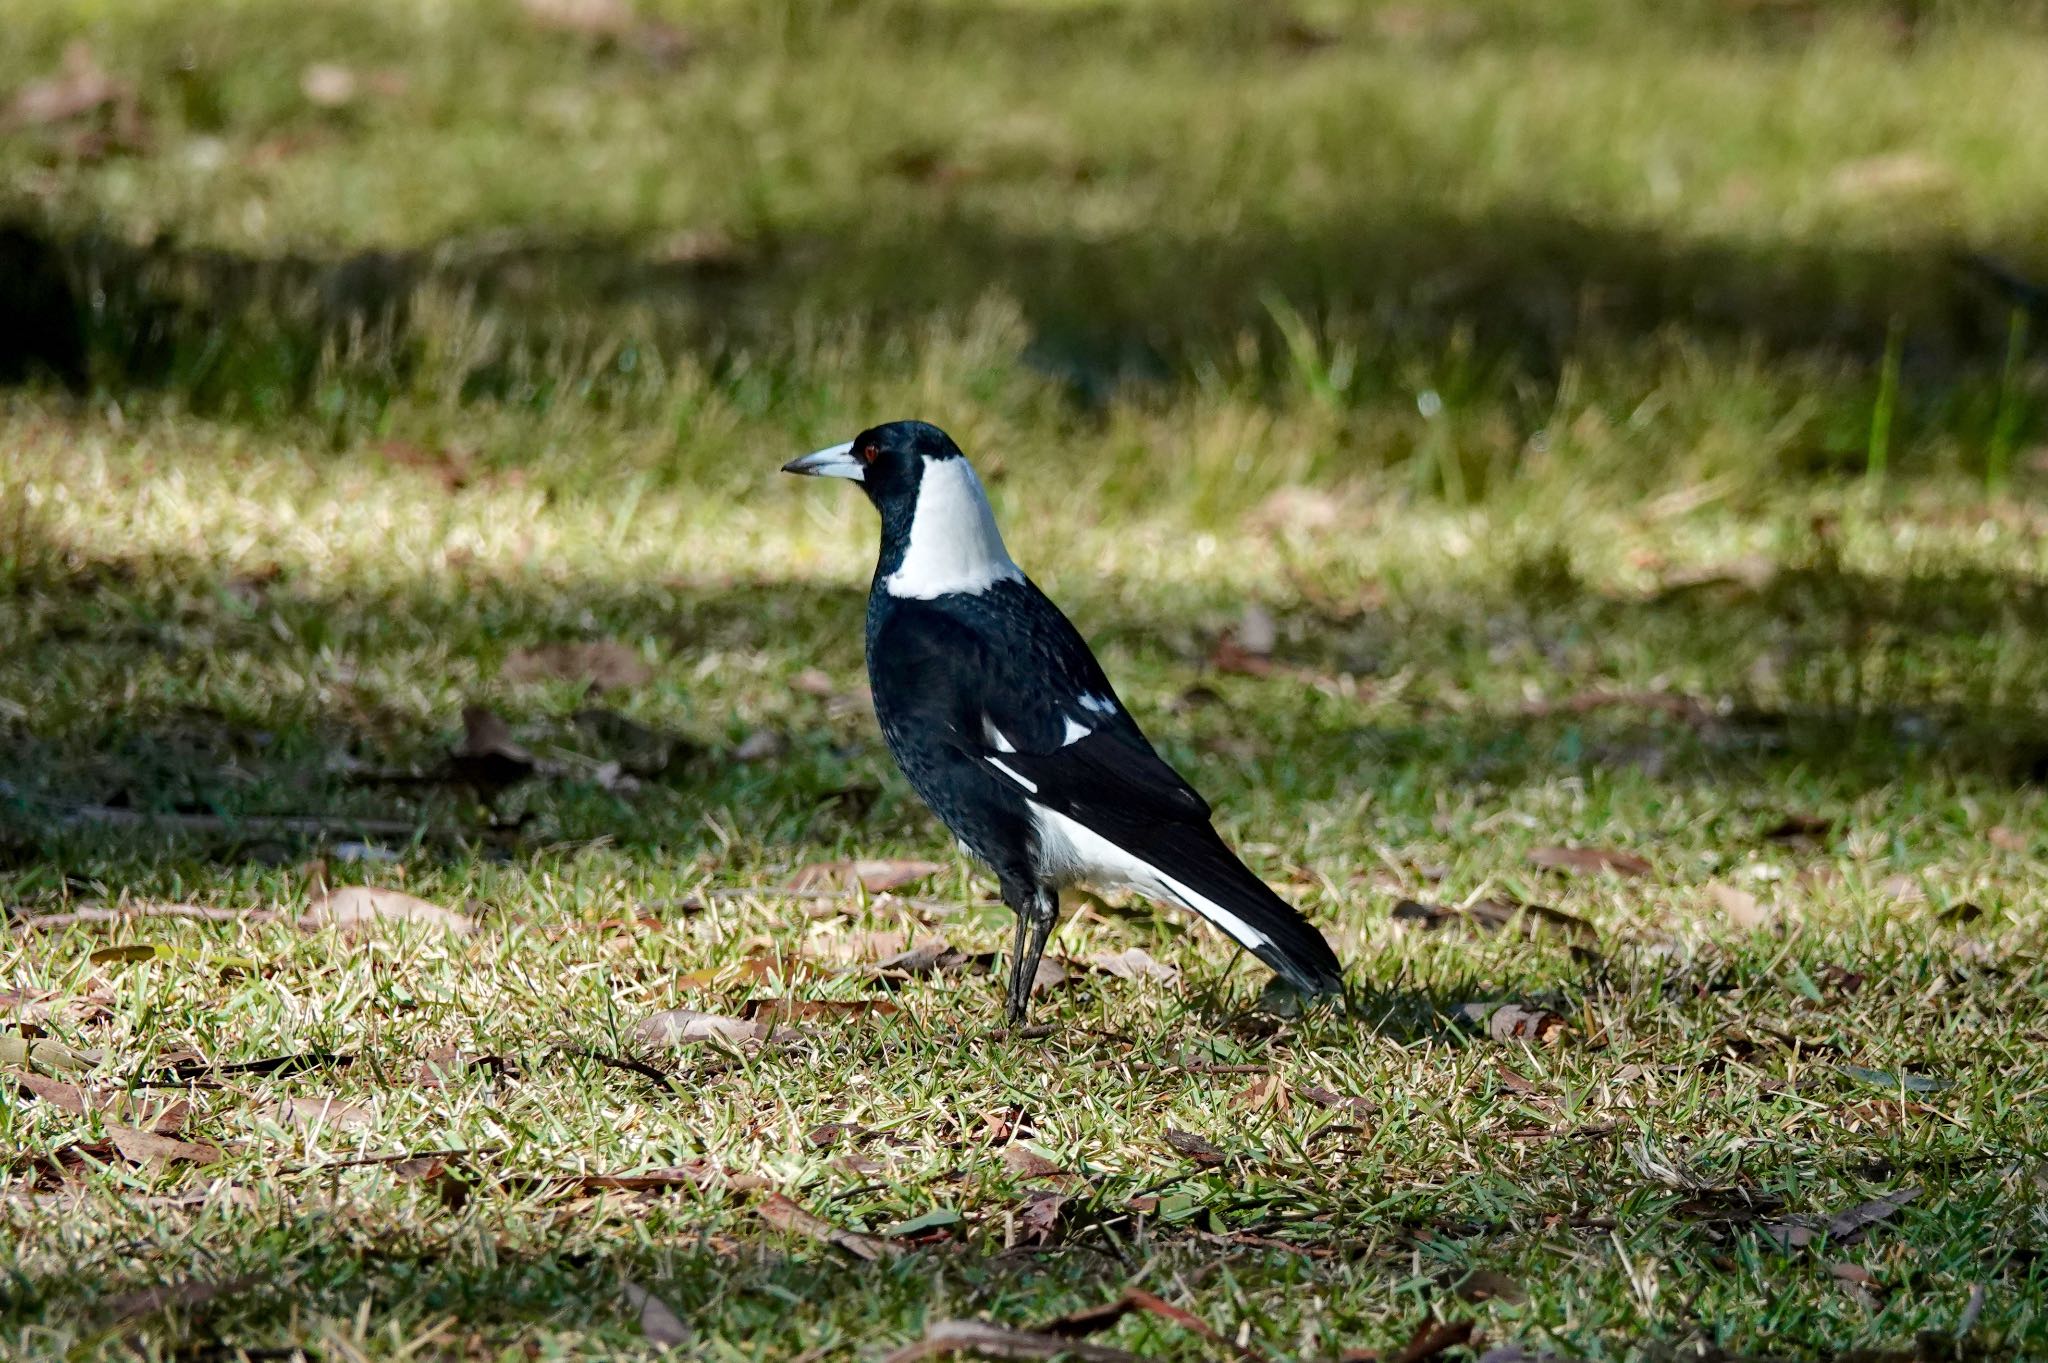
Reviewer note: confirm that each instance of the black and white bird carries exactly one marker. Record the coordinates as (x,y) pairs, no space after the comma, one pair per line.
(1002,719)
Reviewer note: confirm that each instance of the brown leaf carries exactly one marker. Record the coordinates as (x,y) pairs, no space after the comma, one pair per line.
(34,1053)
(947,1337)
(1134,963)
(55,1092)
(1024,1163)
(1266,1091)
(1193,1146)
(1483,1284)
(812,682)
(1589,860)
(1431,1338)
(1093,1319)
(593,18)
(2007,839)
(445,1066)
(144,1147)
(1898,174)
(679,1026)
(1844,1227)
(1514,1021)
(785,1215)
(1492,915)
(660,1324)
(601,664)
(761,745)
(1339,1102)
(190,1293)
(1050,975)
(363,908)
(925,957)
(1039,1219)
(776,1012)
(1738,906)
(331,1113)
(874,876)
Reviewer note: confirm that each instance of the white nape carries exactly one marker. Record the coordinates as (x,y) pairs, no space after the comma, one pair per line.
(954,545)
(1076,731)
(1101,705)
(1070,853)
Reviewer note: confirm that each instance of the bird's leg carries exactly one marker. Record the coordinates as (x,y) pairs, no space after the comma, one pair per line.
(1036,915)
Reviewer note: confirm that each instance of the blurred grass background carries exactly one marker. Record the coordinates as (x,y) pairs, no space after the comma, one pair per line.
(1630,417)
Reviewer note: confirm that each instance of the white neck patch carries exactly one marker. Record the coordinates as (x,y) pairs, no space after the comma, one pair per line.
(954,545)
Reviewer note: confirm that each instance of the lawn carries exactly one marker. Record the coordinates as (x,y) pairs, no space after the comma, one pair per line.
(1566,481)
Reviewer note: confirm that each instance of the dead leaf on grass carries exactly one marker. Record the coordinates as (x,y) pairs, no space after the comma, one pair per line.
(1024,1163)
(188,1294)
(1514,1021)
(761,745)
(1495,914)
(1337,1102)
(785,1215)
(1844,1227)
(1431,1338)
(874,876)
(1091,1320)
(658,1322)
(601,664)
(1266,1091)
(1193,1146)
(34,1053)
(147,1147)
(1134,963)
(2007,839)
(1738,906)
(947,1337)
(1484,1284)
(776,1012)
(1589,860)
(445,1066)
(332,1113)
(679,1026)
(363,908)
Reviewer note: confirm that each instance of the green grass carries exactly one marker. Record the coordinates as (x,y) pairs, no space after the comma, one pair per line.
(1589,391)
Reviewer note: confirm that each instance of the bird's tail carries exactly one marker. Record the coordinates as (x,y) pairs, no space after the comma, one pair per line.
(1209,879)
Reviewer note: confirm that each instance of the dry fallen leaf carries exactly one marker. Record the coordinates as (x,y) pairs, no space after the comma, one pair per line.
(776,1012)
(81,87)
(678,1026)
(1738,906)
(1891,175)
(602,664)
(658,1322)
(1025,1163)
(190,1293)
(874,876)
(331,1113)
(1266,1091)
(1514,1021)
(1431,1338)
(1484,1284)
(1589,860)
(144,1147)
(1844,1227)
(785,1215)
(1134,963)
(329,85)
(947,1337)
(362,908)
(32,1053)
(1193,1146)
(2007,839)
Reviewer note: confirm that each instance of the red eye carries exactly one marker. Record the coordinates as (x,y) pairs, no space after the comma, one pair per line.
(867,454)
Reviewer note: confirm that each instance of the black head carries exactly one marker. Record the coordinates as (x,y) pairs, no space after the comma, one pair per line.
(887,461)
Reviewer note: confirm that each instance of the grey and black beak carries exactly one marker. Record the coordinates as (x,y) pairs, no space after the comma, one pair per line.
(835,462)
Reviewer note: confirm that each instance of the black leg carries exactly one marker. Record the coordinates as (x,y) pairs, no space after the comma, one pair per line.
(1037,908)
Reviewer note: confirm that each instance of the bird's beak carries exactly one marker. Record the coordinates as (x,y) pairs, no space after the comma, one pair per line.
(836,462)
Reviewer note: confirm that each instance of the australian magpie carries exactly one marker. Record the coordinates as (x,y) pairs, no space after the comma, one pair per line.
(1002,719)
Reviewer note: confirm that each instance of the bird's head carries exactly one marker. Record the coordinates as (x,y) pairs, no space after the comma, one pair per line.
(938,534)
(888,461)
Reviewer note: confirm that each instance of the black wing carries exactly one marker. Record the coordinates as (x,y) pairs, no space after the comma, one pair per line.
(1009,680)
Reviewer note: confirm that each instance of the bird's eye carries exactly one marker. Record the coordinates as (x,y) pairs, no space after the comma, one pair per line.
(867,454)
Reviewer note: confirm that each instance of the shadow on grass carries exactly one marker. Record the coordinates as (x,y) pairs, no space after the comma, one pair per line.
(1841,679)
(1513,298)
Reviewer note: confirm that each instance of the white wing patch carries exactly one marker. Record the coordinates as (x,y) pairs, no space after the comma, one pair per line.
(1007,770)
(1101,705)
(1070,851)
(1076,731)
(954,546)
(996,738)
